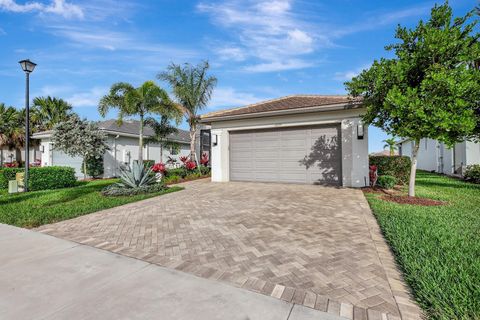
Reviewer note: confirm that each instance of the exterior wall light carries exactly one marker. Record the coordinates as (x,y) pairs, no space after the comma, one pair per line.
(360,131)
(214,139)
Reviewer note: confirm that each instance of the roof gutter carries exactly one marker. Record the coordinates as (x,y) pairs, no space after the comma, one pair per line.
(323,108)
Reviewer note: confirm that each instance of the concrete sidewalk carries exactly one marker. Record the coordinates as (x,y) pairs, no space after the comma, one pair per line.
(42,277)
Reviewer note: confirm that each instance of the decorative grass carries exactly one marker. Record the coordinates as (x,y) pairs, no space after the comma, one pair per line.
(438,247)
(33,209)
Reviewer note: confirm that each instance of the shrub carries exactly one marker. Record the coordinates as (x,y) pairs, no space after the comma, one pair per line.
(396,166)
(135,177)
(159,167)
(172,179)
(205,170)
(386,182)
(190,165)
(148,163)
(204,160)
(115,190)
(94,167)
(472,173)
(41,178)
(181,172)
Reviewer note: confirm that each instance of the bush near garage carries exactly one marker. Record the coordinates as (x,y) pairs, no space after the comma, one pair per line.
(41,178)
(94,167)
(472,173)
(396,166)
(386,182)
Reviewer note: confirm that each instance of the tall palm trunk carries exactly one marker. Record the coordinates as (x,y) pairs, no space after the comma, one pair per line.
(413,169)
(140,141)
(192,143)
(18,156)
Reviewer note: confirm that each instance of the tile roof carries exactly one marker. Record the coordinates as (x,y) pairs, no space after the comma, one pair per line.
(133,127)
(284,103)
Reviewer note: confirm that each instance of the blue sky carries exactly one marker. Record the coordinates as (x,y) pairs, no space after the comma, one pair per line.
(257,49)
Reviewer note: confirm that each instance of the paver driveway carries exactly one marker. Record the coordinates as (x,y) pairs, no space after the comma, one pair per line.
(312,245)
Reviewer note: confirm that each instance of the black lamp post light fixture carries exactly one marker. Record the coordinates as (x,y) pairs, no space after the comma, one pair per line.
(28,67)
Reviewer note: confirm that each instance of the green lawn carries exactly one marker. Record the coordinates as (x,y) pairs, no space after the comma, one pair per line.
(41,207)
(437,247)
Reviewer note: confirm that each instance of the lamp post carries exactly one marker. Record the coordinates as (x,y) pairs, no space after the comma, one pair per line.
(28,67)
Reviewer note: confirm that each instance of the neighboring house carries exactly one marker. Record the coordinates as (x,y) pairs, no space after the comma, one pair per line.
(123,142)
(436,156)
(310,139)
(8,156)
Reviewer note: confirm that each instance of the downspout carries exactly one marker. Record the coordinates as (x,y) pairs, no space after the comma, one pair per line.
(115,170)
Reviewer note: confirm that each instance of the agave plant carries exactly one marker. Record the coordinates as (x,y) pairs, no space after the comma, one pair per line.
(137,176)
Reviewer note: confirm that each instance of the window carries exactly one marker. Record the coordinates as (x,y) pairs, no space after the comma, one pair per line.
(174,151)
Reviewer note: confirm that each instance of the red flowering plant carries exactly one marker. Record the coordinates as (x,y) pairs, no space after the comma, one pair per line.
(373,174)
(204,160)
(190,165)
(184,159)
(159,168)
(11,165)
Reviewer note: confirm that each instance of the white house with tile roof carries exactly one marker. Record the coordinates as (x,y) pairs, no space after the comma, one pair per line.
(123,142)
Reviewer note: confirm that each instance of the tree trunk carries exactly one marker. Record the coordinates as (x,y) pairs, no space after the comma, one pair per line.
(161,153)
(192,144)
(140,141)
(413,169)
(84,168)
(18,157)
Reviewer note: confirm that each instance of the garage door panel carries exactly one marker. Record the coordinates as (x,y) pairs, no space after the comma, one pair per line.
(298,155)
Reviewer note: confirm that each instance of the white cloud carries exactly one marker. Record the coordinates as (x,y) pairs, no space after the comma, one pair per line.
(231,53)
(229,97)
(267,30)
(278,66)
(349,74)
(89,98)
(56,7)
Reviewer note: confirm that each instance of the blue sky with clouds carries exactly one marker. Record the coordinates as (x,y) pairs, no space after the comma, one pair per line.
(257,49)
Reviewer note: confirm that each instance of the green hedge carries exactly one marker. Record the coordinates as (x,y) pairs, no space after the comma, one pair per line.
(386,182)
(41,178)
(396,166)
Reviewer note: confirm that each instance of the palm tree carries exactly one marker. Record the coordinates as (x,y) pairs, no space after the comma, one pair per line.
(193,89)
(162,129)
(47,112)
(142,101)
(12,130)
(391,144)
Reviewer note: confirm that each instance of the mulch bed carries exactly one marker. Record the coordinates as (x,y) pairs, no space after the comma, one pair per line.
(186,180)
(413,200)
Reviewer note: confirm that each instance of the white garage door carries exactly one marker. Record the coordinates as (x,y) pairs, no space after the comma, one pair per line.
(61,159)
(310,155)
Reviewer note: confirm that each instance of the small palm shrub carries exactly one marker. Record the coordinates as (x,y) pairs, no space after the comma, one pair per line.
(386,181)
(472,173)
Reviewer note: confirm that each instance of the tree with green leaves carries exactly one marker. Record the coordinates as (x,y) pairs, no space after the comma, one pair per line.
(47,112)
(391,145)
(12,130)
(162,132)
(431,88)
(80,138)
(192,88)
(142,101)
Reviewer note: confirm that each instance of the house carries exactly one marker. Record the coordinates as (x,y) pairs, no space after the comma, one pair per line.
(123,142)
(309,139)
(436,156)
(8,156)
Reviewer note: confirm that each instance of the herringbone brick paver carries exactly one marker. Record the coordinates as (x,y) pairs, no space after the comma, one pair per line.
(312,245)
